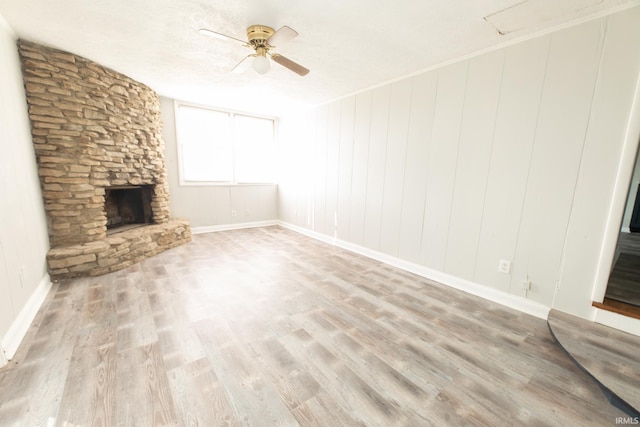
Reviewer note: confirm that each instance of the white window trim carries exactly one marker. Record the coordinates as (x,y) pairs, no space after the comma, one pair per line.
(185,183)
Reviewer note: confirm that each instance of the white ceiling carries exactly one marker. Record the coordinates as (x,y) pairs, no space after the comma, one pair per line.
(349,45)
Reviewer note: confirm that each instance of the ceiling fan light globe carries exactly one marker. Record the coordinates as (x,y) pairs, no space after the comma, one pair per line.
(261,65)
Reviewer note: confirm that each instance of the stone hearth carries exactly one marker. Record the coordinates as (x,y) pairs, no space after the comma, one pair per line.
(96,131)
(117,251)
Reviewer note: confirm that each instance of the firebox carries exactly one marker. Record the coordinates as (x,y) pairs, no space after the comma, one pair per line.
(127,207)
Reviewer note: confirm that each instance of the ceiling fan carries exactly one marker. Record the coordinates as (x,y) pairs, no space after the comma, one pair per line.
(263,39)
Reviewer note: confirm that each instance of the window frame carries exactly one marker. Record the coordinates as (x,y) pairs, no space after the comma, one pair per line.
(232,113)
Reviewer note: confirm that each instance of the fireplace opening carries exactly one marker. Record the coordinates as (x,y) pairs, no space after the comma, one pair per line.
(127,207)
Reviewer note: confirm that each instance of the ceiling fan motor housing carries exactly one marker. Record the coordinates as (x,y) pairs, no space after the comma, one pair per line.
(257,35)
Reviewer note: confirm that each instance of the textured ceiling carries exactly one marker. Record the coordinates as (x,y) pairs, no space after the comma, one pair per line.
(349,45)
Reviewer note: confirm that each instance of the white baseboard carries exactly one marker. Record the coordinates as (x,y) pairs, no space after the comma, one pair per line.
(512,301)
(18,329)
(225,227)
(618,321)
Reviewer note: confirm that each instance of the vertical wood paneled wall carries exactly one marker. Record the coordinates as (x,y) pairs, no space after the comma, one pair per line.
(508,155)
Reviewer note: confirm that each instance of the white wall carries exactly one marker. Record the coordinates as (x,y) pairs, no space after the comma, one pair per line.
(508,155)
(23,230)
(210,207)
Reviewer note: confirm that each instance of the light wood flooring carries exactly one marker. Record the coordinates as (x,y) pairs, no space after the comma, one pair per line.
(268,327)
(609,355)
(624,280)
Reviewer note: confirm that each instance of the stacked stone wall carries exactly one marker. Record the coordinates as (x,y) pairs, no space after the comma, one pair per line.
(93,128)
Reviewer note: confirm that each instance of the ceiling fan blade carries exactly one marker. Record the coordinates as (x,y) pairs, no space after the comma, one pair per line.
(244,64)
(283,35)
(220,36)
(287,63)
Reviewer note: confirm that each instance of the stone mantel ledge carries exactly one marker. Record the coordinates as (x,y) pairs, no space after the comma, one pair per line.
(116,251)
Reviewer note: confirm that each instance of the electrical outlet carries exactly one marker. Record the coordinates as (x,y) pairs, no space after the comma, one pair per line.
(526,285)
(234,213)
(504,266)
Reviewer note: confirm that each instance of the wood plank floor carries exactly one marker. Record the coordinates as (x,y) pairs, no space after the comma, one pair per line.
(624,280)
(609,355)
(264,327)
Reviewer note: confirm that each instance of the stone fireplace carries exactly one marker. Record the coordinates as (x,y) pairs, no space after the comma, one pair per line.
(98,143)
(127,207)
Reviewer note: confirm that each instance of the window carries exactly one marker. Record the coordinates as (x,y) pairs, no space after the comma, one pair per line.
(224,147)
